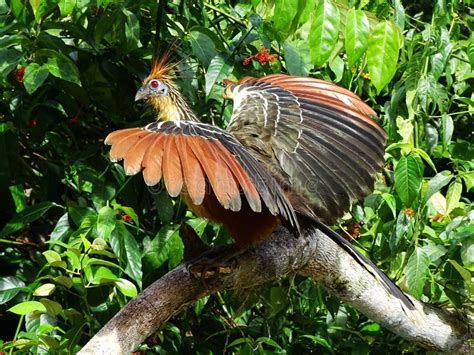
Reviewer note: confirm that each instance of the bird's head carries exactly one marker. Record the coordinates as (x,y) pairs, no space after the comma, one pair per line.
(160,92)
(152,89)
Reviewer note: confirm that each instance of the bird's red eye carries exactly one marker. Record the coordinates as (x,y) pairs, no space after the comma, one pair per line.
(154,84)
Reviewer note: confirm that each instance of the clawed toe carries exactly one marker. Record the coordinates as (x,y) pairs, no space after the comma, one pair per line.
(213,263)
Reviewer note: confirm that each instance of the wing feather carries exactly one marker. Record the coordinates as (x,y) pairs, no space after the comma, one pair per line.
(132,160)
(192,172)
(222,182)
(197,155)
(243,179)
(153,160)
(172,172)
(123,144)
(319,138)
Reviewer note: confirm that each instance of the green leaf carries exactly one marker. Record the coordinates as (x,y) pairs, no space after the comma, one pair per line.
(218,70)
(18,195)
(465,274)
(324,32)
(391,203)
(64,281)
(382,54)
(399,17)
(103,275)
(453,196)
(408,179)
(447,125)
(436,183)
(198,224)
(41,8)
(337,67)
(62,228)
(106,221)
(51,256)
(297,58)
(425,157)
(284,13)
(203,47)
(60,65)
(126,247)
(467,253)
(34,77)
(66,7)
(268,341)
(27,307)
(158,250)
(9,58)
(357,35)
(318,340)
(132,29)
(28,215)
(126,287)
(434,252)
(45,290)
(52,307)
(10,286)
(417,271)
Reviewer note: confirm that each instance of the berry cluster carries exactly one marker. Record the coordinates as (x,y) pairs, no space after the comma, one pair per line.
(263,56)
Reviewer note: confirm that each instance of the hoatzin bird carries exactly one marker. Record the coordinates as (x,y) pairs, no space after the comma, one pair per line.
(296,150)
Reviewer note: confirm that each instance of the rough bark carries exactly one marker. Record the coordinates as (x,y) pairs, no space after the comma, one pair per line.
(315,256)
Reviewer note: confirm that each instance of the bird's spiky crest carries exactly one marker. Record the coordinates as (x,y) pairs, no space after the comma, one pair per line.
(161,67)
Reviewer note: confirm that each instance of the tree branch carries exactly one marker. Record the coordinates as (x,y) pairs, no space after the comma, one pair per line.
(314,255)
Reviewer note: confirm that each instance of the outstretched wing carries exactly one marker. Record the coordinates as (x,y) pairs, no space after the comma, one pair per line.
(192,155)
(319,139)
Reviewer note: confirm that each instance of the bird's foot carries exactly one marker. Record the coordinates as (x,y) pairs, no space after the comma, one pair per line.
(217,261)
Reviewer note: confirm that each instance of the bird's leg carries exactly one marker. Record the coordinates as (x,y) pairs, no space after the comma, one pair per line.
(193,245)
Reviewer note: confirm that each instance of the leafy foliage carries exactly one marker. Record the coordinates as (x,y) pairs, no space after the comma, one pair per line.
(78,238)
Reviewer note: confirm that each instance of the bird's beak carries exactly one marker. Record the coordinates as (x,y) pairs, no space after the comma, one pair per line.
(141,94)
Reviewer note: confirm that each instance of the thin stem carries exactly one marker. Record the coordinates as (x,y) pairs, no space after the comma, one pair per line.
(212,7)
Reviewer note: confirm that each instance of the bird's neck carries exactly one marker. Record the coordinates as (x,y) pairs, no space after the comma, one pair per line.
(173,107)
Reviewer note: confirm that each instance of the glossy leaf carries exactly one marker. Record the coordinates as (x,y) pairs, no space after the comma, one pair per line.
(66,6)
(28,215)
(10,286)
(27,307)
(34,77)
(45,290)
(126,287)
(453,196)
(297,58)
(60,65)
(203,47)
(125,245)
(417,271)
(408,179)
(324,32)
(447,130)
(106,220)
(9,58)
(218,71)
(382,54)
(356,36)
(284,13)
(437,182)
